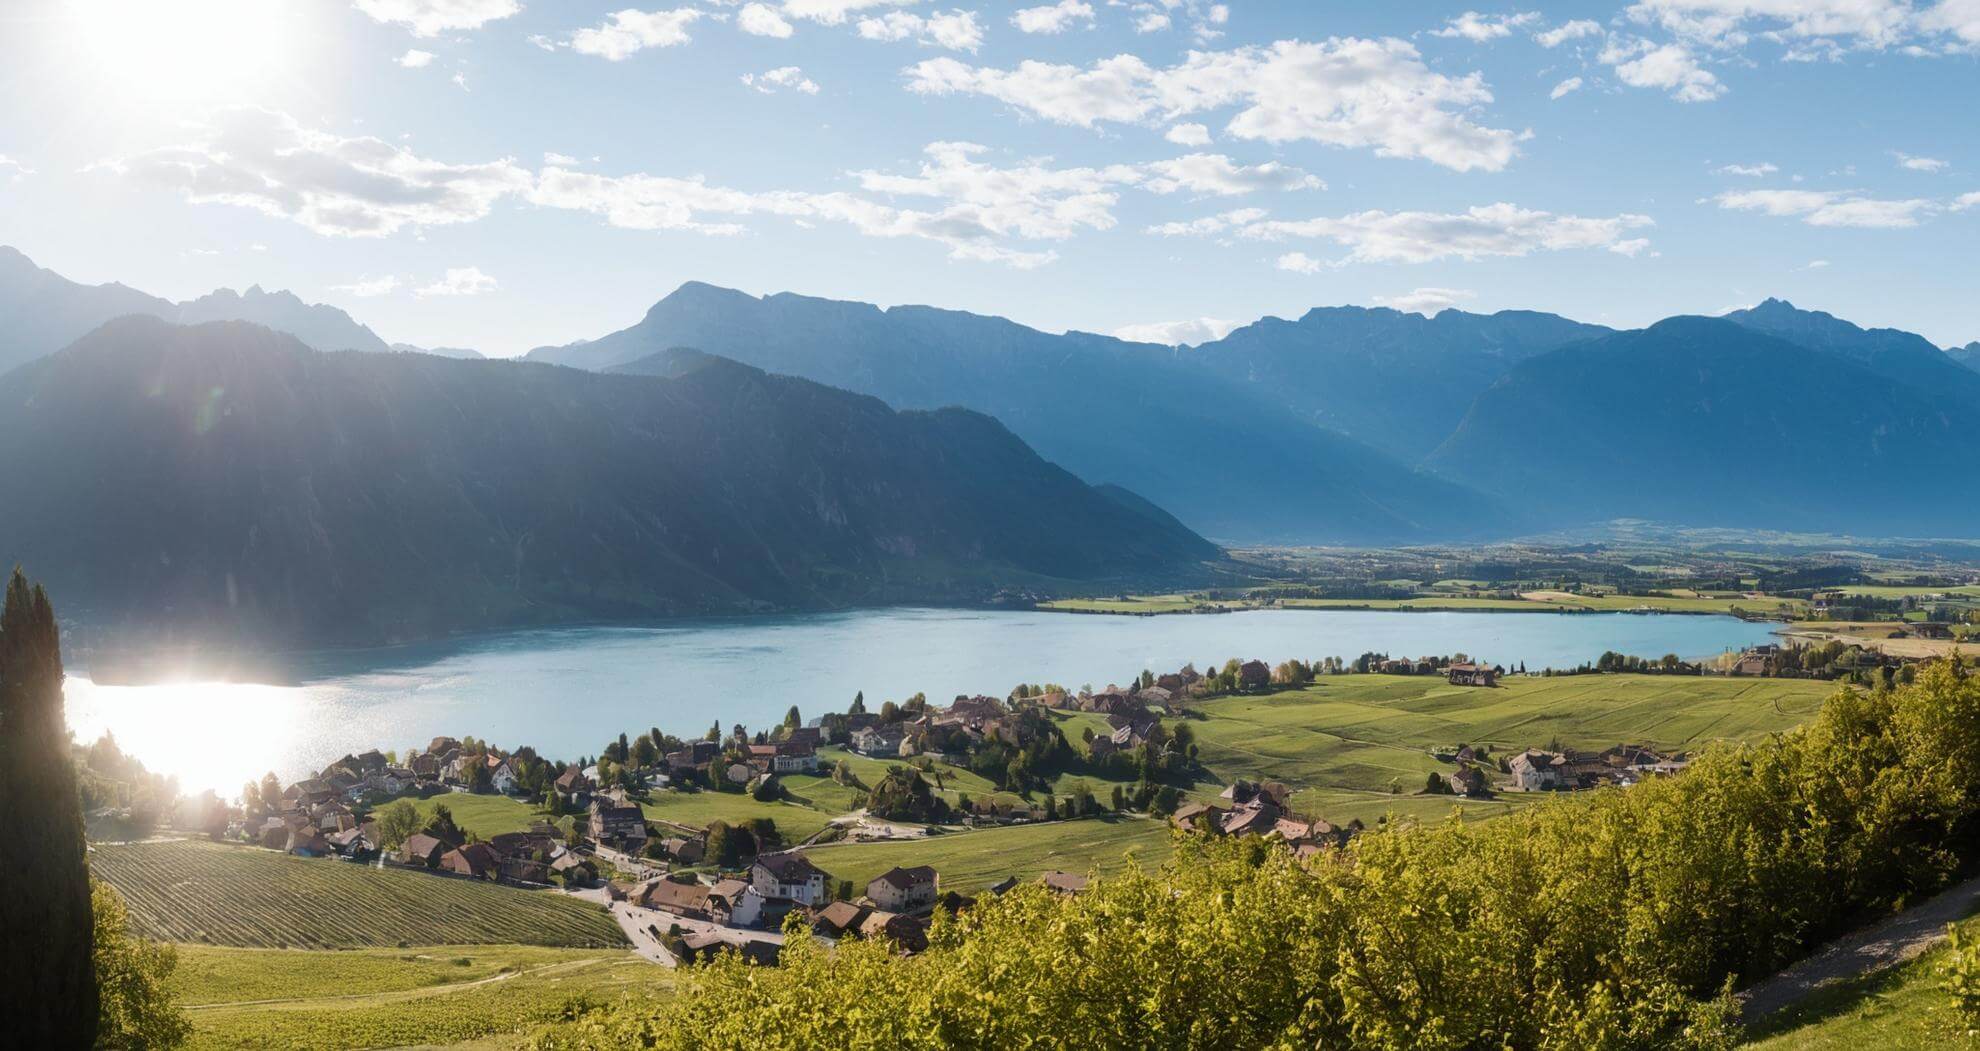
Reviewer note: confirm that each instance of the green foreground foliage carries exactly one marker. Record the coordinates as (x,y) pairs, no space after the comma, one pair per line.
(133,979)
(1617,919)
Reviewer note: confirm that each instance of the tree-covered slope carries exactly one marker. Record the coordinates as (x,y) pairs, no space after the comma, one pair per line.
(224,479)
(1703,421)
(1223,458)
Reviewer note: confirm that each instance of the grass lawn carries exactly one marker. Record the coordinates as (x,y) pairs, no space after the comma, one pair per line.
(238,998)
(195,891)
(487,816)
(1361,733)
(969,861)
(1903,1009)
(702,809)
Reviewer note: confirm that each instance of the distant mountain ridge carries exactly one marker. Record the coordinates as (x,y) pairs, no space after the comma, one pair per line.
(1968,355)
(1709,422)
(1214,452)
(41,312)
(227,475)
(1900,355)
(1396,380)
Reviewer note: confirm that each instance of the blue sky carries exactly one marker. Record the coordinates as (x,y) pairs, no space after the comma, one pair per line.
(498,175)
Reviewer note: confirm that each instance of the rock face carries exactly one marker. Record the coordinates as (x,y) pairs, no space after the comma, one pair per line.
(224,478)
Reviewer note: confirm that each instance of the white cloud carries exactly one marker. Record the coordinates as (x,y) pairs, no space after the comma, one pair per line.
(1817,264)
(1426,301)
(1153,22)
(1188,135)
(1483,29)
(332,185)
(414,58)
(835,12)
(1054,18)
(563,160)
(1342,91)
(1209,225)
(18,170)
(1965,201)
(978,211)
(460,281)
(366,287)
(1751,171)
(1730,23)
(427,18)
(1489,230)
(626,33)
(1671,67)
(1829,207)
(1214,173)
(1300,263)
(763,20)
(782,77)
(1920,164)
(459,80)
(1193,332)
(1961,18)
(1565,87)
(1566,31)
(955,30)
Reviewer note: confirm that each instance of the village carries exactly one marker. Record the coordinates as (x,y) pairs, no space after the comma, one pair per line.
(683,891)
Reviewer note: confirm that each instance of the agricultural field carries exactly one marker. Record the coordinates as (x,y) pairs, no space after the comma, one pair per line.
(487,815)
(241,998)
(1363,734)
(1903,1009)
(1443,598)
(972,860)
(218,894)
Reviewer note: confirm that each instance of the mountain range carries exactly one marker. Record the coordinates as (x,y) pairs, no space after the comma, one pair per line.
(1707,420)
(1346,426)
(226,479)
(41,312)
(1211,449)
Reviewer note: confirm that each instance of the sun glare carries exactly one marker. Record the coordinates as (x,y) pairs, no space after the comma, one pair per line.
(181,50)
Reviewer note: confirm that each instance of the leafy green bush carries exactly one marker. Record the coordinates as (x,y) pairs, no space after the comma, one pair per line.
(1961,971)
(1618,919)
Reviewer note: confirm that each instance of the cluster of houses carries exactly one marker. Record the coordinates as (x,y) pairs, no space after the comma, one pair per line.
(963,726)
(526,859)
(1541,770)
(1256,809)
(897,903)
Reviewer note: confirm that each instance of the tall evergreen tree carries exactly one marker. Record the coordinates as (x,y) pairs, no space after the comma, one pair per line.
(47,971)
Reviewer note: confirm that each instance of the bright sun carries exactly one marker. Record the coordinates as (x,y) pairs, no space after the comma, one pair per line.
(181,50)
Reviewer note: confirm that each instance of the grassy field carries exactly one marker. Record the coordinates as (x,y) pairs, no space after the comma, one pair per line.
(194,891)
(489,815)
(1903,1009)
(1526,602)
(970,861)
(260,998)
(1355,736)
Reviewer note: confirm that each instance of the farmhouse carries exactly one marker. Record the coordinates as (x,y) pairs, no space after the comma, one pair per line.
(622,827)
(879,740)
(1468,780)
(477,860)
(422,849)
(1473,675)
(573,787)
(1536,771)
(905,890)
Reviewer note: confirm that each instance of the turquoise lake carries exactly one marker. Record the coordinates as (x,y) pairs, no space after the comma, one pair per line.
(568,691)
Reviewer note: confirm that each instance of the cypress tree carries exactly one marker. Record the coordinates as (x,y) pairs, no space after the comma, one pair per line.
(47,971)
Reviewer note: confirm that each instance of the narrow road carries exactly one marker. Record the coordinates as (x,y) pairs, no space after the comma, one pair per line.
(1886,943)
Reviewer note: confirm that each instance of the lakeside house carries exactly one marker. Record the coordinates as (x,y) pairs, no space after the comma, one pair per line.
(788,875)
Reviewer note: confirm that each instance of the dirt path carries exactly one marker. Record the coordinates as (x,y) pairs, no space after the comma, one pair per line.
(1881,945)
